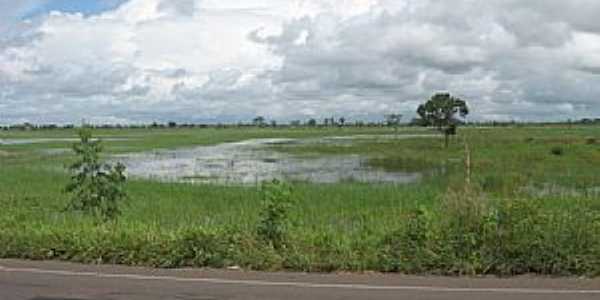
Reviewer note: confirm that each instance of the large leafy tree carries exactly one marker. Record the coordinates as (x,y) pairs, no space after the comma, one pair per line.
(443,112)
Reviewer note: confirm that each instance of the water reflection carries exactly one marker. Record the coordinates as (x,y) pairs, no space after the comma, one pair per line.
(252,161)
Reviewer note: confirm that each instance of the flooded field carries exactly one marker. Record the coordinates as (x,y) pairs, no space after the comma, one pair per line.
(522,206)
(252,161)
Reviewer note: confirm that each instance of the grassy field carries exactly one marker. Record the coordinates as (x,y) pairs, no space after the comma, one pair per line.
(532,206)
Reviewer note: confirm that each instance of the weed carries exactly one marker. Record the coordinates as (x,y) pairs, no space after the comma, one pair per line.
(274,217)
(413,248)
(96,187)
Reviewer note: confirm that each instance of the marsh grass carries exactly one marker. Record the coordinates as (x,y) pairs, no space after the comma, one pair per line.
(497,226)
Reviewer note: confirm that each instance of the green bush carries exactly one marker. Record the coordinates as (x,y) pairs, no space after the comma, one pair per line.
(511,237)
(97,188)
(558,151)
(274,216)
(413,248)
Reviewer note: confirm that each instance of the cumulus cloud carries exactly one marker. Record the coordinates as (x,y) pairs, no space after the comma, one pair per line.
(226,60)
(178,7)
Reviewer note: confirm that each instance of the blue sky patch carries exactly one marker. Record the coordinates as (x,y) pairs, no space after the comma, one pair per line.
(86,7)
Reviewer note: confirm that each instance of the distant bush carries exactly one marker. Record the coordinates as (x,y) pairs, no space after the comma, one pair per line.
(591,141)
(558,151)
(492,182)
(506,182)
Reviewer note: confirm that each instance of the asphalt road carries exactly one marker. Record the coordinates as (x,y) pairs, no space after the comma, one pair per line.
(22,280)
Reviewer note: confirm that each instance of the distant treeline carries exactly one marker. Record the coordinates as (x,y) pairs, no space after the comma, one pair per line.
(328,122)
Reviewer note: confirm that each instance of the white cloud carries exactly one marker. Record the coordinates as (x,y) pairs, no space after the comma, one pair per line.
(195,60)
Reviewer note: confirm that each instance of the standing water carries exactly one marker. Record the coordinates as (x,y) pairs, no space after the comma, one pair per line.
(252,161)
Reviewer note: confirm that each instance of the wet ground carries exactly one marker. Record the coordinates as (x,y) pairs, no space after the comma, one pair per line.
(253,161)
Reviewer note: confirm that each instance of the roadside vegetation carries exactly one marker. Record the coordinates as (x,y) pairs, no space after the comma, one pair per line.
(519,206)
(96,187)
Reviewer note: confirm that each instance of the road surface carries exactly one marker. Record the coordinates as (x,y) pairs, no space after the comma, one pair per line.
(23,280)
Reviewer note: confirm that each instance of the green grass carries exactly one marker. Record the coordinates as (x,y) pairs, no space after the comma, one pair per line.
(528,210)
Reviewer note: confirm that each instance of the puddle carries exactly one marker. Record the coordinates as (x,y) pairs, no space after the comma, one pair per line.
(251,161)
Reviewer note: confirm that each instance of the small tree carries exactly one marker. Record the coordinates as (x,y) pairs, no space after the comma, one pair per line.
(96,187)
(259,121)
(327,122)
(441,111)
(393,120)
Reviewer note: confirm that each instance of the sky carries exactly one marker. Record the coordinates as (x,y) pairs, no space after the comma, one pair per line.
(139,61)
(86,7)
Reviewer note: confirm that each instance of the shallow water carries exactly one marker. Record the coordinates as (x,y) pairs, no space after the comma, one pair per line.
(251,161)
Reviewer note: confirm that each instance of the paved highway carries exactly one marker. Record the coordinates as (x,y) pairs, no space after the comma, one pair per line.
(23,280)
